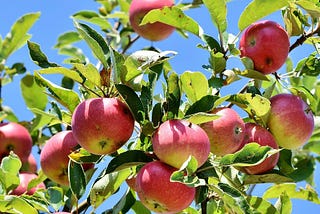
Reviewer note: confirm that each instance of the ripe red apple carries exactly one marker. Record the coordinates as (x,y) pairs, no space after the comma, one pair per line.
(30,165)
(291,120)
(258,134)
(152,31)
(267,44)
(158,193)
(25,178)
(54,156)
(102,125)
(175,140)
(225,133)
(15,137)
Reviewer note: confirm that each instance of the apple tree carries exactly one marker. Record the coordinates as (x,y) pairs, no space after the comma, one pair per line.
(170,142)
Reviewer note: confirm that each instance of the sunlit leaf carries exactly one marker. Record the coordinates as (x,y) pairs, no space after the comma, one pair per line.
(194,85)
(284,204)
(218,12)
(77,179)
(67,39)
(38,56)
(270,177)
(311,7)
(94,18)
(55,197)
(262,206)
(201,117)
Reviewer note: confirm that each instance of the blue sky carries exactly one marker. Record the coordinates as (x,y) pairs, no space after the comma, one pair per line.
(55,20)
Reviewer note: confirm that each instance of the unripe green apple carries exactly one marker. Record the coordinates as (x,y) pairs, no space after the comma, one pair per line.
(291,120)
(225,133)
(15,137)
(152,31)
(158,193)
(25,178)
(175,140)
(258,134)
(102,125)
(267,44)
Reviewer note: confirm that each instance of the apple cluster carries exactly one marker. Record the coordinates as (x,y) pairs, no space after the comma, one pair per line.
(16,138)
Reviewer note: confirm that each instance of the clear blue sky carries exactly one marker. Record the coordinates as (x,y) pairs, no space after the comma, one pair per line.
(55,20)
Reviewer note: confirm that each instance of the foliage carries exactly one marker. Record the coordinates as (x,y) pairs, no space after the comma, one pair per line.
(138,79)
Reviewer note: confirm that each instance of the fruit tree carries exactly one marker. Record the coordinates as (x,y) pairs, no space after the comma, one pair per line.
(116,123)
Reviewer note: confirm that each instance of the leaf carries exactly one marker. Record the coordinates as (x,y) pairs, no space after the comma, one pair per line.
(77,179)
(218,12)
(16,204)
(9,170)
(30,89)
(74,75)
(66,97)
(8,114)
(201,117)
(138,207)
(38,56)
(18,34)
(306,95)
(67,38)
(292,22)
(194,85)
(95,41)
(175,17)
(125,203)
(270,177)
(258,9)
(293,191)
(311,7)
(55,197)
(250,73)
(284,204)
(106,186)
(90,72)
(94,18)
(262,206)
(251,154)
(218,62)
(83,156)
(205,104)
(128,159)
(173,95)
(133,102)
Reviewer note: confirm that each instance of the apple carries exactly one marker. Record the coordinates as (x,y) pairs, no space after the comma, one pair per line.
(102,125)
(30,165)
(175,140)
(25,178)
(152,31)
(225,133)
(54,157)
(291,120)
(158,193)
(258,134)
(267,44)
(15,137)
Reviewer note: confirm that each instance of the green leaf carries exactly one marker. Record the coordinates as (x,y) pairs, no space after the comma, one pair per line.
(9,114)
(218,12)
(218,62)
(38,56)
(311,7)
(95,41)
(18,34)
(293,191)
(125,203)
(139,208)
(74,75)
(262,206)
(67,38)
(106,186)
(258,9)
(9,170)
(34,182)
(66,97)
(94,18)
(284,204)
(256,106)
(306,95)
(205,104)
(251,154)
(90,72)
(173,95)
(55,197)
(201,117)
(175,17)
(128,159)
(75,54)
(250,73)
(270,177)
(83,156)
(77,179)
(133,102)
(16,204)
(30,89)
(292,22)
(313,144)
(194,85)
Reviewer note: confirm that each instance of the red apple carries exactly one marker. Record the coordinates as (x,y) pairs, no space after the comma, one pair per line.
(175,140)
(291,121)
(54,157)
(151,31)
(225,133)
(258,134)
(30,165)
(158,193)
(102,125)
(25,178)
(267,44)
(15,137)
